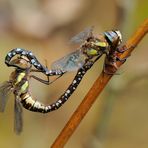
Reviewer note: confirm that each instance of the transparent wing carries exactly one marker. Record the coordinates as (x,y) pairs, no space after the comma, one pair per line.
(18,121)
(70,62)
(82,36)
(5,89)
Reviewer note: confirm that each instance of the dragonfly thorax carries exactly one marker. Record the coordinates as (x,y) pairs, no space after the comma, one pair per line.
(19,81)
(94,47)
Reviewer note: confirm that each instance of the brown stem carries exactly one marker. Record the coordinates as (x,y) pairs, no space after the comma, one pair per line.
(95,91)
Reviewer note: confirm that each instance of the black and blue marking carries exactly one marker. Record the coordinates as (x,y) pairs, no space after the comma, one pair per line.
(32,59)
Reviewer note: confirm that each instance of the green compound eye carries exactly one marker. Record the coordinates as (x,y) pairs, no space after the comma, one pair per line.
(91,51)
(101,44)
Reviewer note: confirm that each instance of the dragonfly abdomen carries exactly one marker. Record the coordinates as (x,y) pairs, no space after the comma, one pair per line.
(30,104)
(28,54)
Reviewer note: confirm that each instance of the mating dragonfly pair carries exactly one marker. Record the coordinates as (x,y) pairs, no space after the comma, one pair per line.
(90,50)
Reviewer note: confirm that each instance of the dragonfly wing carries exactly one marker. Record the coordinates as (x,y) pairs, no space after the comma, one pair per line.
(18,121)
(82,36)
(5,89)
(70,62)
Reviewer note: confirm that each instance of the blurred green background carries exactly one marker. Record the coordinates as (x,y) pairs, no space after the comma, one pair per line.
(119,117)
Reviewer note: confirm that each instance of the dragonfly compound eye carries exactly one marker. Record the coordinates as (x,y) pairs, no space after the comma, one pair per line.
(113,36)
(119,35)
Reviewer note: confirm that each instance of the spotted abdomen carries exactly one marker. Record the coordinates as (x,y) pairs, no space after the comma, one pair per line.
(32,59)
(22,52)
(29,103)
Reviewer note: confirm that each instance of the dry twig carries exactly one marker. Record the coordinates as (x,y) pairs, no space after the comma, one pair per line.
(95,91)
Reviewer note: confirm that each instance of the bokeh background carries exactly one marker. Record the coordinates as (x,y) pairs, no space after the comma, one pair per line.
(119,117)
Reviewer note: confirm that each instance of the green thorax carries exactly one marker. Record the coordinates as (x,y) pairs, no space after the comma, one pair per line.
(95,47)
(21,83)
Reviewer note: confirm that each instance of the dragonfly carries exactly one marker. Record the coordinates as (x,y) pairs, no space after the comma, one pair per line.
(32,59)
(90,50)
(81,60)
(18,83)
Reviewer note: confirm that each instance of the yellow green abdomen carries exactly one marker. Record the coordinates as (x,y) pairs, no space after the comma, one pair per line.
(22,83)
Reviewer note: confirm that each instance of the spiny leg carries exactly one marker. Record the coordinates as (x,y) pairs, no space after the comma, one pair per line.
(110,66)
(47,82)
(121,49)
(113,65)
(124,48)
(41,80)
(112,59)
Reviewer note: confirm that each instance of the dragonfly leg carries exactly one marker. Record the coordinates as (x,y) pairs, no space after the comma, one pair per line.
(110,68)
(122,49)
(123,59)
(50,73)
(47,82)
(35,70)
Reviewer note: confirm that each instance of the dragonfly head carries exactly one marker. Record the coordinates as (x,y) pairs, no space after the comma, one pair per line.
(113,37)
(21,62)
